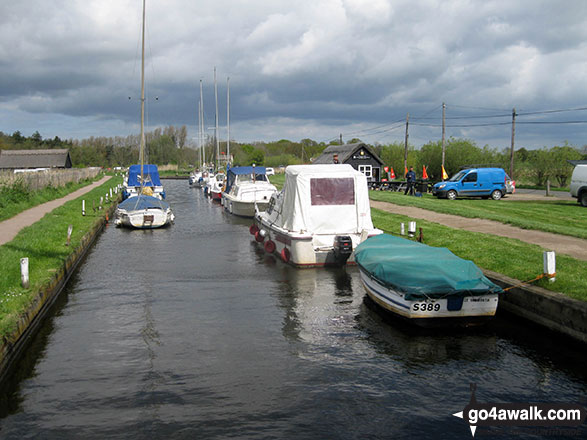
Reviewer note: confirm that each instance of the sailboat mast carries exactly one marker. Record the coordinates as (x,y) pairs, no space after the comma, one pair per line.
(216,118)
(142,145)
(202,146)
(228,118)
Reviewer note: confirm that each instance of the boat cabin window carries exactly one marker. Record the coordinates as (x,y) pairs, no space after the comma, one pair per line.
(332,191)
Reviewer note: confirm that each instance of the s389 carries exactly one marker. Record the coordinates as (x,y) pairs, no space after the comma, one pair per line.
(426,307)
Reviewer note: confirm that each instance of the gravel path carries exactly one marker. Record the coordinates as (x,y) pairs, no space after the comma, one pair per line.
(563,244)
(11,227)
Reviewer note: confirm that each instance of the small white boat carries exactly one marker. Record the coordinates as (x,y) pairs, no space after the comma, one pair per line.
(216,186)
(426,285)
(145,177)
(194,179)
(247,189)
(143,212)
(319,218)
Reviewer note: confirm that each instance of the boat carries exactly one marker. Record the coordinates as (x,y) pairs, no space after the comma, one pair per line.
(144,207)
(247,189)
(143,212)
(145,177)
(194,179)
(426,285)
(216,186)
(319,218)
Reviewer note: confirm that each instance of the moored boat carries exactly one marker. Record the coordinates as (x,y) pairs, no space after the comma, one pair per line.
(247,189)
(319,217)
(216,186)
(143,212)
(426,285)
(143,177)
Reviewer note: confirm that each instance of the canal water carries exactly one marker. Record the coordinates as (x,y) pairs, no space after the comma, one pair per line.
(194,332)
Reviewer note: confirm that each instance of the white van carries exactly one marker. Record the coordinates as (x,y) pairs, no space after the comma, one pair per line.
(579,184)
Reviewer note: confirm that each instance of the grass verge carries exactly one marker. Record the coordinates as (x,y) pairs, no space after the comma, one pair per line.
(44,243)
(565,217)
(507,256)
(17,198)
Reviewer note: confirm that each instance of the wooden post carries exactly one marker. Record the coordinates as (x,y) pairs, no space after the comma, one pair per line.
(547,187)
(69,231)
(402,229)
(24,272)
(549,259)
(421,236)
(443,132)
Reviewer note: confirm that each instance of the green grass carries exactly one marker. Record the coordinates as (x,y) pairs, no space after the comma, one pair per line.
(565,217)
(507,256)
(44,243)
(17,198)
(278,180)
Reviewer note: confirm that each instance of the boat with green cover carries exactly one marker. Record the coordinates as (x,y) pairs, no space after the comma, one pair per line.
(425,284)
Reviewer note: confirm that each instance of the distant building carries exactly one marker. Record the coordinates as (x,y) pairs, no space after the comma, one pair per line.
(29,159)
(360,156)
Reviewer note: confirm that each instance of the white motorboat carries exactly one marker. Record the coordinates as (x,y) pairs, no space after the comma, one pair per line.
(216,186)
(426,285)
(143,212)
(319,218)
(247,189)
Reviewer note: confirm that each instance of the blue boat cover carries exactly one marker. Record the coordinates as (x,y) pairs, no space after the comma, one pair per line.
(421,271)
(260,174)
(150,174)
(143,202)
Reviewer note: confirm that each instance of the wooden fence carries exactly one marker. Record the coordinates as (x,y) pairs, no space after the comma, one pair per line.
(41,179)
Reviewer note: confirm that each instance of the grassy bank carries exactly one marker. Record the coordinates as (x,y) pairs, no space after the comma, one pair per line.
(565,217)
(17,198)
(507,256)
(44,243)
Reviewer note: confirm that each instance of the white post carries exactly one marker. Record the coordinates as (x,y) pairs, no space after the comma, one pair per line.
(550,265)
(24,272)
(69,231)
(101,201)
(412,229)
(83,207)
(402,229)
(110,192)
(106,197)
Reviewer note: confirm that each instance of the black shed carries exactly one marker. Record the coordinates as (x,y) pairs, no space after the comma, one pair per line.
(360,156)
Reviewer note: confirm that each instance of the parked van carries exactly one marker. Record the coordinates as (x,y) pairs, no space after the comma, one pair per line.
(579,184)
(473,182)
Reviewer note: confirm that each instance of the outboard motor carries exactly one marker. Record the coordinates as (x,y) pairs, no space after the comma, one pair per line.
(343,248)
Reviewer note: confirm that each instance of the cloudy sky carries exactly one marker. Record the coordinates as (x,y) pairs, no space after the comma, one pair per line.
(307,69)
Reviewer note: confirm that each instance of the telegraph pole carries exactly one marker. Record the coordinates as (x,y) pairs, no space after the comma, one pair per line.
(406,143)
(443,132)
(512,148)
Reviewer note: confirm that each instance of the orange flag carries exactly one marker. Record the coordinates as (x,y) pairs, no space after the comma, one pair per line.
(444,175)
(406,171)
(391,173)
(424,173)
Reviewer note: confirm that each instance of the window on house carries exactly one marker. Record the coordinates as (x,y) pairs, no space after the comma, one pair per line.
(367,170)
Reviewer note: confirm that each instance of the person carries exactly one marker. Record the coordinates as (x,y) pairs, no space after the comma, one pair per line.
(411,182)
(335,158)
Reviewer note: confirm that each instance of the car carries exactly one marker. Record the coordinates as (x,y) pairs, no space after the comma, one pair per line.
(510,185)
(579,184)
(269,171)
(473,182)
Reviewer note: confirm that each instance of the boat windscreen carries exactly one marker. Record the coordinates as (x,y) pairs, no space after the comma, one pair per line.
(332,191)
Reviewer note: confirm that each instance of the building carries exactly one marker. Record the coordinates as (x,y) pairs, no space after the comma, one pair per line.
(31,159)
(360,156)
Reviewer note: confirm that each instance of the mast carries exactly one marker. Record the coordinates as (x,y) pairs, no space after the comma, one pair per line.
(203,151)
(142,145)
(228,118)
(216,118)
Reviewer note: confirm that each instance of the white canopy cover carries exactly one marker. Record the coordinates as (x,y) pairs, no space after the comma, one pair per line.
(324,199)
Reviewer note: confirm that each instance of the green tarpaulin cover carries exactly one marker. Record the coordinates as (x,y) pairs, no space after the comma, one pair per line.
(420,271)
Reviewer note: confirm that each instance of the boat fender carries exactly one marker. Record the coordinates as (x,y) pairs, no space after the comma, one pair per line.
(285,255)
(253,229)
(269,246)
(258,237)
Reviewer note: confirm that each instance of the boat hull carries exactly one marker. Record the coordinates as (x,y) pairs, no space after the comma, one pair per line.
(304,250)
(144,218)
(431,312)
(241,208)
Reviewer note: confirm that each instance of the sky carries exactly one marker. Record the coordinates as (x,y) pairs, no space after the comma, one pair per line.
(313,69)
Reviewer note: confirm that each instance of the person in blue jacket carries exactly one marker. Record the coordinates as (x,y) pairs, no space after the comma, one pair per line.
(411,182)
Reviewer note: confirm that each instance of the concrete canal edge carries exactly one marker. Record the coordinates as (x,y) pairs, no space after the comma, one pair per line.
(13,346)
(553,310)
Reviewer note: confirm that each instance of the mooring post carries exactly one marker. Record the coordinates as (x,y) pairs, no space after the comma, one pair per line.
(83,207)
(101,201)
(402,229)
(69,231)
(106,197)
(421,236)
(110,192)
(24,272)
(411,229)
(550,265)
